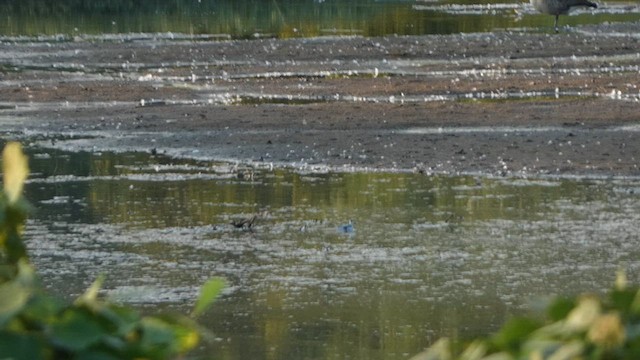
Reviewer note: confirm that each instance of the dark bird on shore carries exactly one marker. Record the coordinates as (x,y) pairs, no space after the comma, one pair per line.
(559,7)
(244,223)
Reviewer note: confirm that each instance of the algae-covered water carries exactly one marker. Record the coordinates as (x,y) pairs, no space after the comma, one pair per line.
(428,256)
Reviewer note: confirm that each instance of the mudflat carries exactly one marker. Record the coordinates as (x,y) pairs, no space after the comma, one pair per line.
(520,103)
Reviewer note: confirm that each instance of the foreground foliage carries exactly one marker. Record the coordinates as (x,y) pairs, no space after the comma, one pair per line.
(35,325)
(585,327)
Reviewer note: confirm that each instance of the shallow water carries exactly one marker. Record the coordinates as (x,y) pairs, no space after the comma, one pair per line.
(429,256)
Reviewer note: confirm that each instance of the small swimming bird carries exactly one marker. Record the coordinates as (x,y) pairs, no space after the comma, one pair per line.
(346,228)
(559,7)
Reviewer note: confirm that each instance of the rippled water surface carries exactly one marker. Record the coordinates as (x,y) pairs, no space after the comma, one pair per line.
(427,256)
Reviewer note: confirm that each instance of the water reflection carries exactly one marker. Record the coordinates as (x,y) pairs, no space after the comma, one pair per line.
(280,18)
(430,255)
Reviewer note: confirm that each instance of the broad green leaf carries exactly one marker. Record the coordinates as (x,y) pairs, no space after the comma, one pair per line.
(15,294)
(570,350)
(584,314)
(474,351)
(121,320)
(632,347)
(167,337)
(26,274)
(542,347)
(208,293)
(42,308)
(76,331)
(13,297)
(441,350)
(157,335)
(187,338)
(20,347)
(623,299)
(514,332)
(499,356)
(635,305)
(90,296)
(560,308)
(95,355)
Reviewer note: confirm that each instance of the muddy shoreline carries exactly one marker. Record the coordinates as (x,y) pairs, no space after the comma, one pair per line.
(505,103)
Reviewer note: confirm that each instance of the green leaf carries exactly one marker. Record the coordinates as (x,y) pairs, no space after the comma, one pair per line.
(441,350)
(90,296)
(120,320)
(632,347)
(514,332)
(15,294)
(208,293)
(95,355)
(20,347)
(570,350)
(157,335)
(187,338)
(474,351)
(14,246)
(13,297)
(166,336)
(560,308)
(622,300)
(41,309)
(543,347)
(76,331)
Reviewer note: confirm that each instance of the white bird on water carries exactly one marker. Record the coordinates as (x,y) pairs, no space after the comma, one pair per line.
(559,7)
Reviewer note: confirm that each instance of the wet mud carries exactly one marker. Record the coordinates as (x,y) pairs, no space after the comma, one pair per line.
(523,102)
